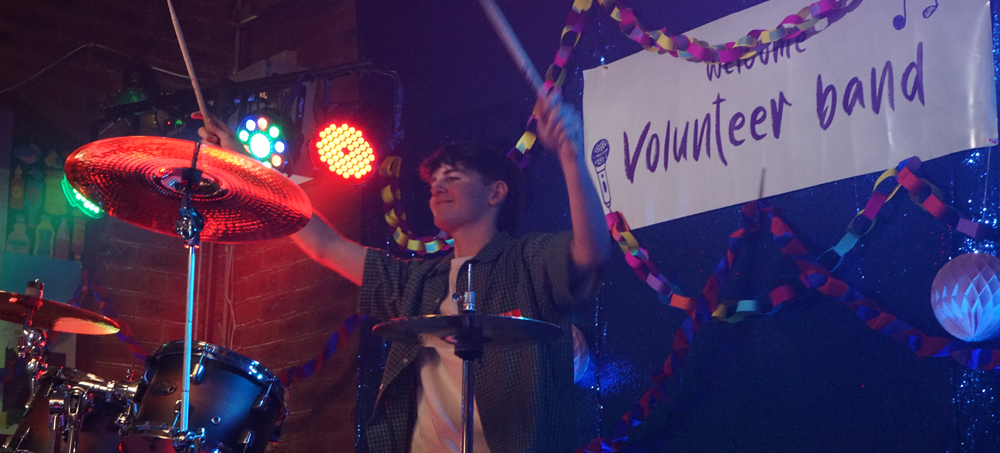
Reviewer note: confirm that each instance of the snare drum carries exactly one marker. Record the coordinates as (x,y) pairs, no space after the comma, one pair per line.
(236,400)
(86,409)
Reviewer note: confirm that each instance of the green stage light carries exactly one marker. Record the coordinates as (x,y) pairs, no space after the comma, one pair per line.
(265,139)
(78,201)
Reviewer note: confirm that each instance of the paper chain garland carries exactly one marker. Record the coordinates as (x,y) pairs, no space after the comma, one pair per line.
(396,217)
(660,41)
(697,308)
(814,276)
(335,342)
(555,75)
(690,49)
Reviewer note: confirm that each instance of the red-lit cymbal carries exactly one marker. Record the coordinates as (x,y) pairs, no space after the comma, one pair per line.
(54,315)
(239,199)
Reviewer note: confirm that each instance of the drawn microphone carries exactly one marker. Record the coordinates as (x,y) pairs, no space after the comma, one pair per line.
(599,157)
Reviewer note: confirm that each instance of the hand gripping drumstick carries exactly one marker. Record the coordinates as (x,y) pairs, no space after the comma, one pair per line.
(509,39)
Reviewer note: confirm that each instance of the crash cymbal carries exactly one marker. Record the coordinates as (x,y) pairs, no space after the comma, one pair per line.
(54,315)
(136,178)
(498,331)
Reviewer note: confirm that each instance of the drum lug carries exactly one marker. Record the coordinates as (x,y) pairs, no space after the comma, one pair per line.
(189,442)
(261,403)
(263,400)
(126,417)
(246,438)
(276,434)
(198,371)
(57,404)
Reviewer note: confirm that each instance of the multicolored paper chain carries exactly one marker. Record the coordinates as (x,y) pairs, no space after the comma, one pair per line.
(691,49)
(929,198)
(396,217)
(335,342)
(660,41)
(816,277)
(885,188)
(90,284)
(922,193)
(555,75)
(812,276)
(697,309)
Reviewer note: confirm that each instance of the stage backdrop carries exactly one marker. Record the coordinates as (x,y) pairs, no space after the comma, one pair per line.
(872,85)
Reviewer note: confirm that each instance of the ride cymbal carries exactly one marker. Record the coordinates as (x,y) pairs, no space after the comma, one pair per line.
(137,179)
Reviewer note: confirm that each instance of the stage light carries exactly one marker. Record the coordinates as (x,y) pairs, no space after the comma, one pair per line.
(344,152)
(78,201)
(262,134)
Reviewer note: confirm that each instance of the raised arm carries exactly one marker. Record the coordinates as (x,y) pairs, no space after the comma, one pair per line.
(326,246)
(560,129)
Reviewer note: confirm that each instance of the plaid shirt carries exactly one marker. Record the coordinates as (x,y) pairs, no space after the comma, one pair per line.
(521,393)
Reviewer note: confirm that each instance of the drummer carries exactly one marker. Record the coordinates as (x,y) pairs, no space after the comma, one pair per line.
(522,395)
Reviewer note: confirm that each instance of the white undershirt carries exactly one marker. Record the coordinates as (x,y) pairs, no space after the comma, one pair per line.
(439,395)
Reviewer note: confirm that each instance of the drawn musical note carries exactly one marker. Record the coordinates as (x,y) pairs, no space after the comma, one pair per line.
(930,10)
(899,21)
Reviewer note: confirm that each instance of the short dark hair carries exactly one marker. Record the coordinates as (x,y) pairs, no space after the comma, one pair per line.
(493,165)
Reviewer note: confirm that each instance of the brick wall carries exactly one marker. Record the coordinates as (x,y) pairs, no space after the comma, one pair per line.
(286,307)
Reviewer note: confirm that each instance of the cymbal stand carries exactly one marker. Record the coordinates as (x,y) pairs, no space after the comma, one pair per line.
(469,348)
(189,228)
(31,346)
(67,407)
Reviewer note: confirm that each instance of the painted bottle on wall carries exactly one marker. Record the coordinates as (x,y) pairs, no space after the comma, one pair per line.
(45,238)
(79,233)
(18,241)
(62,241)
(55,201)
(17,190)
(33,196)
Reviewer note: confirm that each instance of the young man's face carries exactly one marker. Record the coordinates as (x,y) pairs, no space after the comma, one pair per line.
(459,197)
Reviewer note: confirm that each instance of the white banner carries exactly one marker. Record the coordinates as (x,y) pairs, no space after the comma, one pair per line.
(878,85)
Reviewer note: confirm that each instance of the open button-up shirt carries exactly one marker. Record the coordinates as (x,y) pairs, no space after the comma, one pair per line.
(520,392)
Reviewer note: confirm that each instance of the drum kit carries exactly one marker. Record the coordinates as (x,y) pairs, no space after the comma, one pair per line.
(189,399)
(203,397)
(227,403)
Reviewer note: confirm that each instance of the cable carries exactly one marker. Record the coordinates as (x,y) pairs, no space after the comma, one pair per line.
(74,51)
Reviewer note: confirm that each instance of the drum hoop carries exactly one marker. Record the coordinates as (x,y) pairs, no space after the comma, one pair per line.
(251,368)
(74,375)
(57,375)
(160,431)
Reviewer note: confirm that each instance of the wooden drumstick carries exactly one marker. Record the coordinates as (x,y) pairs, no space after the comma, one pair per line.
(509,39)
(187,62)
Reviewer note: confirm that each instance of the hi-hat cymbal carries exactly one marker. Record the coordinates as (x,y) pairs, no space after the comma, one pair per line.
(498,331)
(136,178)
(54,315)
